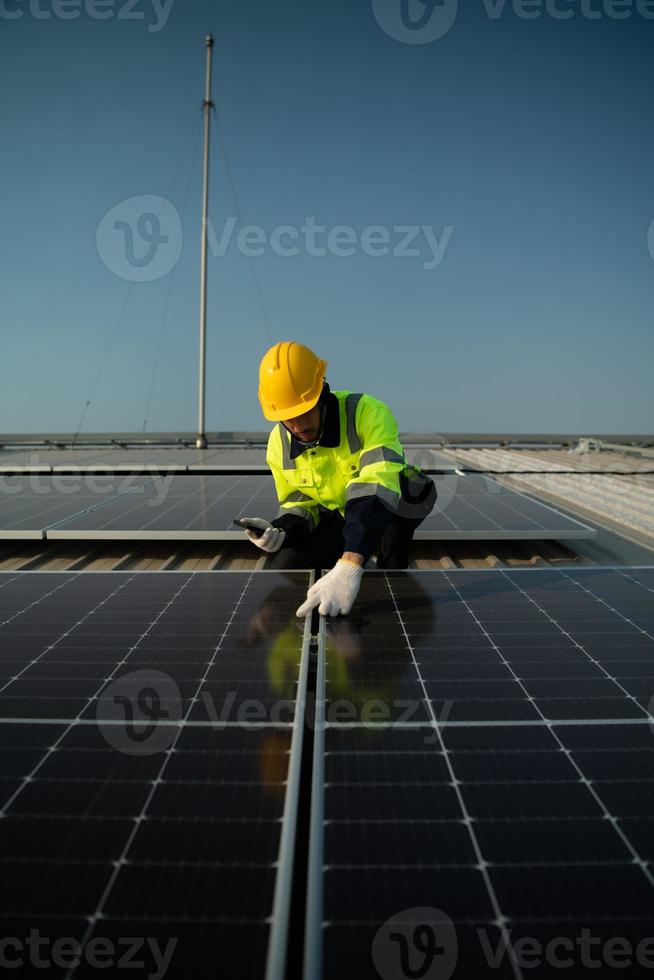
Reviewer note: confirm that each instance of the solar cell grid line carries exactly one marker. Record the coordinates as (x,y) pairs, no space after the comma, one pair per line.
(457,812)
(26,509)
(123,508)
(197,506)
(477,505)
(10,579)
(508,503)
(174,848)
(475,501)
(30,663)
(635,856)
(98,912)
(500,920)
(516,580)
(277,947)
(29,778)
(642,576)
(615,858)
(647,630)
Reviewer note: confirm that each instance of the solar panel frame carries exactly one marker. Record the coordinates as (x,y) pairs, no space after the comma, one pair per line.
(47,584)
(565,731)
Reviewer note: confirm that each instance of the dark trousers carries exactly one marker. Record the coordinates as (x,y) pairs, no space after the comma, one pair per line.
(325,545)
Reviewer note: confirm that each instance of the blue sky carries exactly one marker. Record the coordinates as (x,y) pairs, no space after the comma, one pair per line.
(522,148)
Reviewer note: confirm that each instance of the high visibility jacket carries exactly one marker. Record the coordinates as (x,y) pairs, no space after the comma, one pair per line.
(363,463)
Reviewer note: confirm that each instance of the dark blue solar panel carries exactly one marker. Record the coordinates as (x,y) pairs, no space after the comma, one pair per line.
(521,810)
(136,800)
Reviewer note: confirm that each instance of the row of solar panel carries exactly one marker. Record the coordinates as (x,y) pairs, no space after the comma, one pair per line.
(173,460)
(483,765)
(203,507)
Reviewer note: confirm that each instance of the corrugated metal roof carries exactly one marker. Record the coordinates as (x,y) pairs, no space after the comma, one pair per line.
(553,460)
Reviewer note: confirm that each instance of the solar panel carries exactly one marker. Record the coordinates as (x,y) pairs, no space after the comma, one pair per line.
(203,506)
(506,815)
(151,727)
(476,506)
(189,507)
(30,504)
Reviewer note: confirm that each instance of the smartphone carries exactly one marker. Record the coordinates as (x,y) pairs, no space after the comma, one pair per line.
(246,525)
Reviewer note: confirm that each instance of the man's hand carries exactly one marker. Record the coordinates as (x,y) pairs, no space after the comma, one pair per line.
(271,539)
(336,591)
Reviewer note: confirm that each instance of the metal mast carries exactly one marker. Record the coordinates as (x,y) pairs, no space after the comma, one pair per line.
(207,106)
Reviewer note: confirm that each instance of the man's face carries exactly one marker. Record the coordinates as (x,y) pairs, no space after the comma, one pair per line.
(305,427)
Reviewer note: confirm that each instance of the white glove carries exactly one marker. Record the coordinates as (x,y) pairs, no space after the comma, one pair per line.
(335,592)
(271,539)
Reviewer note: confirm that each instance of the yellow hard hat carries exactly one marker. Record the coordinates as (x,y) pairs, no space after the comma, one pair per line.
(290,380)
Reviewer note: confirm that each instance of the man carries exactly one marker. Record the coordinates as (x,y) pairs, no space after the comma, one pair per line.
(344,487)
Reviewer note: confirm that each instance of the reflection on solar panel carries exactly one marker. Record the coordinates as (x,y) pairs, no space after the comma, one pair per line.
(151,727)
(178,507)
(172,507)
(484,775)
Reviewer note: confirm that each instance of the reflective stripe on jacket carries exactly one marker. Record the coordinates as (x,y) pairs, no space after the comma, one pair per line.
(367,462)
